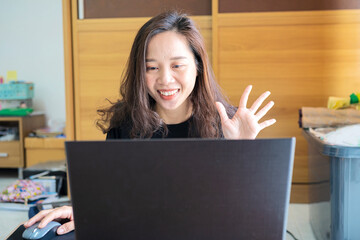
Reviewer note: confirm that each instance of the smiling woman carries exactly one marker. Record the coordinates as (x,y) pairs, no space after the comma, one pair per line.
(169,81)
(169,91)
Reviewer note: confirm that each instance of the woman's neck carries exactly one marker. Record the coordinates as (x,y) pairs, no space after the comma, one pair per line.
(179,115)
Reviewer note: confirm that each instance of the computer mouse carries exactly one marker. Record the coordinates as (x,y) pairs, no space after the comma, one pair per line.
(49,231)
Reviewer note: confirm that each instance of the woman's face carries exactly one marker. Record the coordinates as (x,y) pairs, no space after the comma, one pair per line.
(170,75)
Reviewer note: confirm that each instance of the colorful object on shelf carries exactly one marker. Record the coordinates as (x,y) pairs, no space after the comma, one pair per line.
(11,76)
(21,191)
(16,91)
(338,103)
(354,98)
(16,111)
(27,103)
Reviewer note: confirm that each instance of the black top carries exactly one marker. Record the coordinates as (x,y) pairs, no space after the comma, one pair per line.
(180,130)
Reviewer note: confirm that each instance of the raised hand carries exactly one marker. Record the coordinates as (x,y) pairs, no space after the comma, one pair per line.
(245,123)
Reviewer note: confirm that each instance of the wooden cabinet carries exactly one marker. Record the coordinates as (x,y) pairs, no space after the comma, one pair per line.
(39,150)
(12,152)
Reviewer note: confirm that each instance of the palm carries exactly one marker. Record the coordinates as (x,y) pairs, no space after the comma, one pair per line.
(245,123)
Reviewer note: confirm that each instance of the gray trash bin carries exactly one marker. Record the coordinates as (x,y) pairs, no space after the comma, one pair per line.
(335,211)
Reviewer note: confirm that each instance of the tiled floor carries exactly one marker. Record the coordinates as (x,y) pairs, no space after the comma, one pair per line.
(298,218)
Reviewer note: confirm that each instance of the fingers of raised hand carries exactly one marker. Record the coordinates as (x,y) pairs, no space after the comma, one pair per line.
(264,110)
(222,112)
(259,101)
(245,96)
(267,123)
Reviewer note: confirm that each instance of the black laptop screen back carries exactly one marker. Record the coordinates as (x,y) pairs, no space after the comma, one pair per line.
(180,189)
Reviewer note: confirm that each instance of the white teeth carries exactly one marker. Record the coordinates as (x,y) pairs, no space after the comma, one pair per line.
(168,93)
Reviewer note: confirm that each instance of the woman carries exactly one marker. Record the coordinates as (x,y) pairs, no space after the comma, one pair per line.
(169,91)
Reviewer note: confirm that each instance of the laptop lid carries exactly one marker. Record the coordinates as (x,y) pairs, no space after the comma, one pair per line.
(180,189)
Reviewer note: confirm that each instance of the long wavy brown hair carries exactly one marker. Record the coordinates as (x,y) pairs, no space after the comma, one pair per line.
(137,106)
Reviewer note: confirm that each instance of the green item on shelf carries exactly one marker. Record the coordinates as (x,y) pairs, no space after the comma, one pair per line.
(354,98)
(16,111)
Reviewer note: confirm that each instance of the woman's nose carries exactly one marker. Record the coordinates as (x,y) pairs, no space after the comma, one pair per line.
(165,76)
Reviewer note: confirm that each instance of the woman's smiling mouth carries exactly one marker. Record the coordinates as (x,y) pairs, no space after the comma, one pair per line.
(168,94)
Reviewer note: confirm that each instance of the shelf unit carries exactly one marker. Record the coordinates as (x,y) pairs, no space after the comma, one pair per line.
(12,153)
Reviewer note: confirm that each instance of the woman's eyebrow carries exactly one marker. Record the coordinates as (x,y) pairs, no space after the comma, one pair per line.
(178,57)
(173,58)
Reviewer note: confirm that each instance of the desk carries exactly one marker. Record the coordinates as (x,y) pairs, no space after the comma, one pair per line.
(17,235)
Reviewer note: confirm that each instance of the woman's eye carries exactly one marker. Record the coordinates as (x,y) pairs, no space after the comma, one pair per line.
(151,68)
(177,66)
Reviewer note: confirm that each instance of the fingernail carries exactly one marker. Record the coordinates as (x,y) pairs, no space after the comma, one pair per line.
(60,230)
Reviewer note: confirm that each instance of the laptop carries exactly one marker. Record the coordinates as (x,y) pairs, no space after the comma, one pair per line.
(180,189)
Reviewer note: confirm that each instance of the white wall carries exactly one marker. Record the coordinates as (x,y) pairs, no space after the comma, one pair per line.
(31,42)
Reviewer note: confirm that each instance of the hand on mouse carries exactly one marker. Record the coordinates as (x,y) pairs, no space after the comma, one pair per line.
(46,216)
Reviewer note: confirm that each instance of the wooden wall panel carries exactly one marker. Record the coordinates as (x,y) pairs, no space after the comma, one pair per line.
(103,47)
(302,58)
(231,6)
(142,8)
